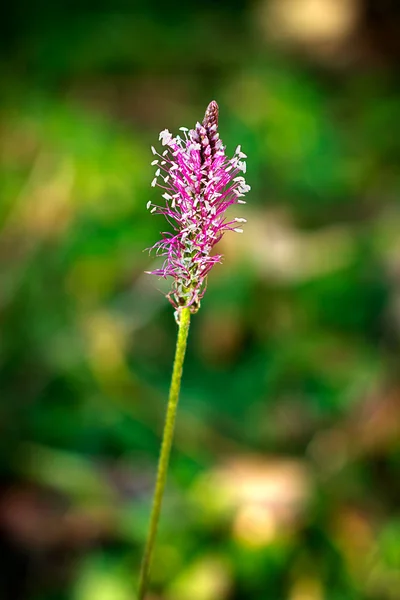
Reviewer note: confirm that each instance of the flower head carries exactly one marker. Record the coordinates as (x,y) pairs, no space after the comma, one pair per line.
(200,182)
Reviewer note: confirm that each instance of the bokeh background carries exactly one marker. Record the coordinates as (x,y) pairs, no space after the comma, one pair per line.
(284,480)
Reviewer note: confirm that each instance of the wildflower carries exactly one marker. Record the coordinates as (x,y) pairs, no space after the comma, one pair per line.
(200,182)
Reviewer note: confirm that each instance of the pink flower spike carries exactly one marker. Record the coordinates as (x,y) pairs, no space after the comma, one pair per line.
(200,183)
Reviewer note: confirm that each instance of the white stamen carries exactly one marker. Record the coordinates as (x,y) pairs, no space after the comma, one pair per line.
(240,220)
(154,151)
(148,204)
(165,137)
(153,183)
(158,172)
(238,230)
(153,209)
(155,162)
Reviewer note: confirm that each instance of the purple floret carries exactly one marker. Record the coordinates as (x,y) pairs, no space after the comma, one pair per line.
(199,184)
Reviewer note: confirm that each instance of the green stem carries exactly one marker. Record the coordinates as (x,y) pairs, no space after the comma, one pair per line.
(168,434)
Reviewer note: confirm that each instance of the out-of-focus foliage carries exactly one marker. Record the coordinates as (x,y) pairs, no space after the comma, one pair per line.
(284,481)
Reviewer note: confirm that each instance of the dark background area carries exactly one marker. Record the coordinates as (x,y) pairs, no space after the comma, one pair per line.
(284,479)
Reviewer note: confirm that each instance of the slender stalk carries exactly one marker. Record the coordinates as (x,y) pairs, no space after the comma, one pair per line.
(168,434)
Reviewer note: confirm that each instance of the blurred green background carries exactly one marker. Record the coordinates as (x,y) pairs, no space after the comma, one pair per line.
(284,480)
